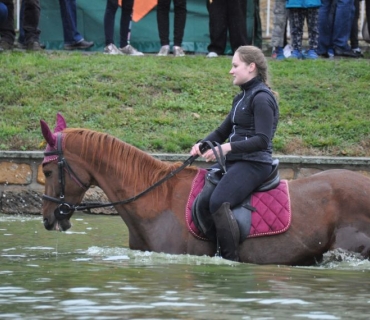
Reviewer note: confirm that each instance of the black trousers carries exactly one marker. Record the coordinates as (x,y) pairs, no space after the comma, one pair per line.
(163,21)
(354,29)
(109,17)
(227,17)
(241,179)
(30,22)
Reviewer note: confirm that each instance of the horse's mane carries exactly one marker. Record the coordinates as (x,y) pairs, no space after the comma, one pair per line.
(130,164)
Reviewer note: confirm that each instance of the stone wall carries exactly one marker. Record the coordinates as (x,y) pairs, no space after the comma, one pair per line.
(22,180)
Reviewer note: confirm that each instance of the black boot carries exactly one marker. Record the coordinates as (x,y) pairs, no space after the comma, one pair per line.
(228,234)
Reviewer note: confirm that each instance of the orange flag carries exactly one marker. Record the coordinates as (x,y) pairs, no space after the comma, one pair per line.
(141,8)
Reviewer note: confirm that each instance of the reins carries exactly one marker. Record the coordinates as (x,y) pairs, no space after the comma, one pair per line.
(65,209)
(93,205)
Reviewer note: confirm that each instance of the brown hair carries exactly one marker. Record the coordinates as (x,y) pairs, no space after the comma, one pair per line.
(252,54)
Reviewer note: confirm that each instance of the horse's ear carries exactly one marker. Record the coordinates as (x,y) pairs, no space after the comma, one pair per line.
(48,135)
(60,123)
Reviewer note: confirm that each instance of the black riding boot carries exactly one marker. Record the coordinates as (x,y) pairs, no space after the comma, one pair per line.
(228,234)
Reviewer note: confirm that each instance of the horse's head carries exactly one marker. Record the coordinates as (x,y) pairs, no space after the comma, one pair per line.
(63,188)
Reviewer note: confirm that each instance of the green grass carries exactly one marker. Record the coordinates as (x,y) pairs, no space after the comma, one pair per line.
(165,104)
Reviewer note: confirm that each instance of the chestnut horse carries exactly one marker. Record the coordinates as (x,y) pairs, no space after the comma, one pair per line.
(329,210)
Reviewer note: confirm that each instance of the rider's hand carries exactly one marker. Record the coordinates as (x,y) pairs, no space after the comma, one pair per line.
(195,150)
(209,155)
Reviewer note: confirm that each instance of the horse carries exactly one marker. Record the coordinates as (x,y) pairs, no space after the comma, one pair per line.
(330,210)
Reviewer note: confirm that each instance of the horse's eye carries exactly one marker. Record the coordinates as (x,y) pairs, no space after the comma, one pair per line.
(47,174)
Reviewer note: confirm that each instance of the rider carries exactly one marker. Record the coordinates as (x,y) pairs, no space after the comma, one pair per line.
(248,129)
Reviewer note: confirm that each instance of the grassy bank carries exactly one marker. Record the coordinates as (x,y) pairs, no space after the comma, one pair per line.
(166,104)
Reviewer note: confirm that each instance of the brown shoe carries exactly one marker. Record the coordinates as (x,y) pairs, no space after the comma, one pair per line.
(82,45)
(34,46)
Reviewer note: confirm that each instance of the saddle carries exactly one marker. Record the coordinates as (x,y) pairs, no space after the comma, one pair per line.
(202,217)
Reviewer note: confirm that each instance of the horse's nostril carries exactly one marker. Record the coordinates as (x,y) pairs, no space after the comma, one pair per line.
(47,225)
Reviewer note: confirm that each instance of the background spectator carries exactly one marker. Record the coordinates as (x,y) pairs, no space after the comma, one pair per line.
(30,21)
(21,34)
(125,23)
(72,38)
(3,13)
(163,22)
(298,12)
(335,23)
(278,36)
(354,30)
(226,17)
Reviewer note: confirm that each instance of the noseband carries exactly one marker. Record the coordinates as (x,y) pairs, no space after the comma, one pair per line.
(66,209)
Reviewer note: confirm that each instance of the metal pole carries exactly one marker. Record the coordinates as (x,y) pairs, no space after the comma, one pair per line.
(18,13)
(268,18)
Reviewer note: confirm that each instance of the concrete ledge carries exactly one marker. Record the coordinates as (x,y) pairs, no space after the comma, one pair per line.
(350,161)
(21,177)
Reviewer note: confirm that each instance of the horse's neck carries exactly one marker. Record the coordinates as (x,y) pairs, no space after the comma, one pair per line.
(132,178)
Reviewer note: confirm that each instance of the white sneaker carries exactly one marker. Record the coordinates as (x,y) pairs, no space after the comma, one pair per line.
(212,55)
(356,50)
(111,49)
(130,50)
(178,51)
(163,52)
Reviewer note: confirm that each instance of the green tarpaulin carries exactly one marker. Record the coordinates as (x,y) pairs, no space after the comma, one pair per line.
(144,34)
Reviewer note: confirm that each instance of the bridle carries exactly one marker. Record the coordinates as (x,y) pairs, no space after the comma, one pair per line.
(66,209)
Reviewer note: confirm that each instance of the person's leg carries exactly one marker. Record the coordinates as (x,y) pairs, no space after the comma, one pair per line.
(257,34)
(109,17)
(325,26)
(296,21)
(68,10)
(241,179)
(126,15)
(21,37)
(180,21)
(3,13)
(354,27)
(342,24)
(312,26)
(163,21)
(311,15)
(279,25)
(31,20)
(125,30)
(237,23)
(217,11)
(7,31)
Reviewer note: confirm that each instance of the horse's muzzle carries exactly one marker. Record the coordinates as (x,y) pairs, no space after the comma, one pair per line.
(57,225)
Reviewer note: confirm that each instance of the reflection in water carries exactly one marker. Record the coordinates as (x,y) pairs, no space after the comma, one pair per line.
(89,273)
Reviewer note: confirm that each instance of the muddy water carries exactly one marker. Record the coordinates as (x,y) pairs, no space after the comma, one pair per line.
(89,273)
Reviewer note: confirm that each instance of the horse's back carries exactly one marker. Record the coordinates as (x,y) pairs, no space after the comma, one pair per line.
(330,209)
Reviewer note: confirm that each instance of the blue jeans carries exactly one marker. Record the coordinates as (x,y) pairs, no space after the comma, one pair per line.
(68,10)
(335,22)
(3,13)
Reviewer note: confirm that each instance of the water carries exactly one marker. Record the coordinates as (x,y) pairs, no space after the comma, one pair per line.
(89,273)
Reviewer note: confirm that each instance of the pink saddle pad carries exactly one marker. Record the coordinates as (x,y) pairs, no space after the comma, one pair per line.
(272,215)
